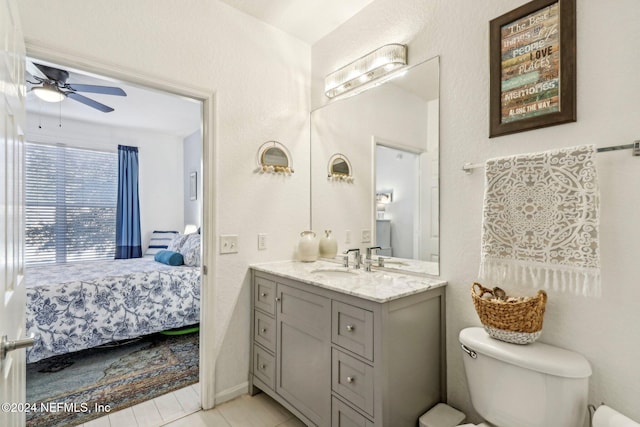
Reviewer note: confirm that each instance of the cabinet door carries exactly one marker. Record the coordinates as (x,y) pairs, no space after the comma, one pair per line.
(344,416)
(353,329)
(264,330)
(353,380)
(303,355)
(264,292)
(264,366)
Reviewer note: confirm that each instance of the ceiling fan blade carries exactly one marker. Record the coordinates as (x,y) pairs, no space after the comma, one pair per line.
(53,73)
(88,101)
(107,90)
(35,71)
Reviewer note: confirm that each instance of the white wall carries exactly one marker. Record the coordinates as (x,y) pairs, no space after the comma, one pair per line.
(260,76)
(602,329)
(160,156)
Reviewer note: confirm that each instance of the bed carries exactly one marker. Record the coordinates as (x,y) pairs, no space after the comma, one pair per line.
(76,306)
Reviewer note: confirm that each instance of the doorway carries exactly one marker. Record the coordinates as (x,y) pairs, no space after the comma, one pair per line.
(397,186)
(206,99)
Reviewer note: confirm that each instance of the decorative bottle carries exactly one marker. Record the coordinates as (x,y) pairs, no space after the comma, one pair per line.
(328,245)
(308,246)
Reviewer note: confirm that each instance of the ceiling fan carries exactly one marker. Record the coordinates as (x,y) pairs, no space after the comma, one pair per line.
(51,86)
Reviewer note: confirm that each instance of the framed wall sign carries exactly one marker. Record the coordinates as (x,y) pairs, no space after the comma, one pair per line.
(533,67)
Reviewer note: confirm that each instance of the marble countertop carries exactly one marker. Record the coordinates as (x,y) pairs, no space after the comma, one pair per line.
(377,285)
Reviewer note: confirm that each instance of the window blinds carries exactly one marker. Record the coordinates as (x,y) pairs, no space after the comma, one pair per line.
(70,204)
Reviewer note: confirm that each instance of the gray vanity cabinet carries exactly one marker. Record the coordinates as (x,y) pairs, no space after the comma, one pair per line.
(337,360)
(303,356)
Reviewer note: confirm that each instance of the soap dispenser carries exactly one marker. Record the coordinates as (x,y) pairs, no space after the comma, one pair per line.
(308,246)
(328,245)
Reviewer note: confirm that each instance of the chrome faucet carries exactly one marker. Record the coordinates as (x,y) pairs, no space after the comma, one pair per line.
(373,248)
(368,262)
(356,257)
(345,261)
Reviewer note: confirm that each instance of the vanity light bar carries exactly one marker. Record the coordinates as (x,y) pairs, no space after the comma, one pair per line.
(372,66)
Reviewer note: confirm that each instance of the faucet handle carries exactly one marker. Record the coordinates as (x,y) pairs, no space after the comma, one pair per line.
(367,265)
(381,261)
(345,261)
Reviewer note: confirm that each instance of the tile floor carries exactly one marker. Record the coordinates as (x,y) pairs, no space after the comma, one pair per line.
(182,409)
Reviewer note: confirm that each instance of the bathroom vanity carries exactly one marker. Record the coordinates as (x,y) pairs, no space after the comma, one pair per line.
(342,347)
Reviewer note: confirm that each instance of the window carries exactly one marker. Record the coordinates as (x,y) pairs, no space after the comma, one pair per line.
(70,204)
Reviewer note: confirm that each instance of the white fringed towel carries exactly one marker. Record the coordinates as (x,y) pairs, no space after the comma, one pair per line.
(541,220)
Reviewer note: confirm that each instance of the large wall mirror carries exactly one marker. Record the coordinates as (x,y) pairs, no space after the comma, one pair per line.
(390,134)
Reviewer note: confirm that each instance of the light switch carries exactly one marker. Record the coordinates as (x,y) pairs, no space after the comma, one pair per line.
(229,244)
(366,236)
(262,241)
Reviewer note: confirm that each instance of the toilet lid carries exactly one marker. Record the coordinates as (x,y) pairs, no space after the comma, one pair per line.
(539,357)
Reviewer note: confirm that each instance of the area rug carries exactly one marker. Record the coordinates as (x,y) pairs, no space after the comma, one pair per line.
(75,388)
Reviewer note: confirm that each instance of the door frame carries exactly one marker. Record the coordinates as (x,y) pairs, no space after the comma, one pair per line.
(207,362)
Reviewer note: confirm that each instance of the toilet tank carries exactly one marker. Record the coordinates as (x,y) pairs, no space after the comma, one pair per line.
(534,385)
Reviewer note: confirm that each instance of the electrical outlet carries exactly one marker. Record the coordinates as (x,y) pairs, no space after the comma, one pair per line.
(347,236)
(366,236)
(229,244)
(262,241)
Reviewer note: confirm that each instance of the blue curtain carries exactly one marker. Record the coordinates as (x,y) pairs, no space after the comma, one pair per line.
(128,237)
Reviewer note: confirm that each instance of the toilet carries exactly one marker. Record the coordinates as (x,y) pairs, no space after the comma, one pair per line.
(511,385)
(534,385)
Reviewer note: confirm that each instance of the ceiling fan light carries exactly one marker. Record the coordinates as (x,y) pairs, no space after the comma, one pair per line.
(48,94)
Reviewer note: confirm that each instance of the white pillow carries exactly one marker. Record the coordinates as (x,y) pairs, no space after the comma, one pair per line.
(159,241)
(191,250)
(177,242)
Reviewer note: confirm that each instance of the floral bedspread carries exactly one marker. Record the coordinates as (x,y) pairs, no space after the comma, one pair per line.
(72,307)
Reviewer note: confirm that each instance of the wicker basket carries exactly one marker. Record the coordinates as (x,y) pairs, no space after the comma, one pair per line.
(517,321)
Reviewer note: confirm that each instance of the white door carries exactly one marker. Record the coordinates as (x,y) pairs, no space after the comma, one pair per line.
(12,291)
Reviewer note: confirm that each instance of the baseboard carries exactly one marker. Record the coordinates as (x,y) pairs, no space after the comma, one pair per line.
(232,392)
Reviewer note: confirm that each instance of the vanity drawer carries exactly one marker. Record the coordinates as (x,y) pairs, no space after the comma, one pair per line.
(342,415)
(264,295)
(353,329)
(264,366)
(353,380)
(264,330)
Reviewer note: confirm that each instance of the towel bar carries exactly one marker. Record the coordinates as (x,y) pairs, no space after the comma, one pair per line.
(635,146)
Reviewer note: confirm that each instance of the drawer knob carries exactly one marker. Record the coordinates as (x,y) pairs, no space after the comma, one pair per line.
(350,328)
(263,366)
(263,330)
(263,294)
(277,299)
(350,379)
